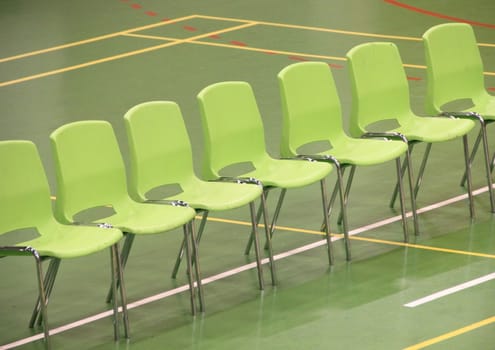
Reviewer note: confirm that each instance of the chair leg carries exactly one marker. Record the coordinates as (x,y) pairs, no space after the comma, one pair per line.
(422,168)
(129,239)
(277,211)
(473,154)
(117,276)
(467,164)
(403,170)
(411,190)
(43,299)
(180,255)
(420,174)
(324,199)
(49,281)
(343,210)
(254,225)
(488,163)
(274,220)
(402,200)
(266,191)
(482,136)
(350,178)
(190,277)
(268,239)
(195,263)
(333,197)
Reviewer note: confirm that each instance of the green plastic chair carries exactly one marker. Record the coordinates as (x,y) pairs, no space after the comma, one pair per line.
(25,202)
(455,73)
(161,155)
(234,142)
(312,115)
(91,174)
(380,92)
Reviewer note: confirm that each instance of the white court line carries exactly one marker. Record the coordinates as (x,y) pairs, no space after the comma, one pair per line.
(240,269)
(451,290)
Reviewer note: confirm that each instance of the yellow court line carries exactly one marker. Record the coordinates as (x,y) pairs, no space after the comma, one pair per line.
(192,40)
(316,29)
(127,54)
(452,334)
(328,30)
(278,52)
(365,239)
(272,24)
(246,48)
(91,40)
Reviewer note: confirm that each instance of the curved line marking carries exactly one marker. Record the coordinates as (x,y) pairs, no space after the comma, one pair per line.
(439,15)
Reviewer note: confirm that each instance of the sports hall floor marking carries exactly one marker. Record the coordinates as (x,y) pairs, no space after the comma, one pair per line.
(278,256)
(452,334)
(451,290)
(335,237)
(247,23)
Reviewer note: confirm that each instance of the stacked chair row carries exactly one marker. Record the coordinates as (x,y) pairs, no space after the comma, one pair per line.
(91,173)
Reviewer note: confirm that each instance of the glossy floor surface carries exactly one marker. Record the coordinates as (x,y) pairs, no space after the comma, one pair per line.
(62,61)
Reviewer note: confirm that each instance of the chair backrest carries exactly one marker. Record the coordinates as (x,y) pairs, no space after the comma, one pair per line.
(453,65)
(380,90)
(232,127)
(89,167)
(159,146)
(24,190)
(310,106)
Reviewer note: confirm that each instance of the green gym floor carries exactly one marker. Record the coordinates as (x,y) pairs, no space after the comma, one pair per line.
(62,61)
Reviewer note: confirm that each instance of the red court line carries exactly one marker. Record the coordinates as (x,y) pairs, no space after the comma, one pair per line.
(438,15)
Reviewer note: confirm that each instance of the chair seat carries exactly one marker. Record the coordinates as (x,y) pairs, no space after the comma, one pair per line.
(67,241)
(147,218)
(289,173)
(367,151)
(486,108)
(217,196)
(435,129)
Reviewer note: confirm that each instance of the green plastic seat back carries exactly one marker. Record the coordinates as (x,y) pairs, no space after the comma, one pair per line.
(89,167)
(24,190)
(310,105)
(380,90)
(453,65)
(160,150)
(232,127)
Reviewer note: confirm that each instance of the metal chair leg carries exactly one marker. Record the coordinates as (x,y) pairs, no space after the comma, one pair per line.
(129,239)
(404,168)
(324,199)
(474,151)
(411,191)
(43,299)
(343,211)
(336,189)
(468,175)
(190,277)
(257,246)
(268,239)
(180,255)
(488,167)
(482,136)
(281,197)
(402,200)
(113,267)
(195,263)
(350,178)
(419,178)
(49,281)
(266,191)
(119,281)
